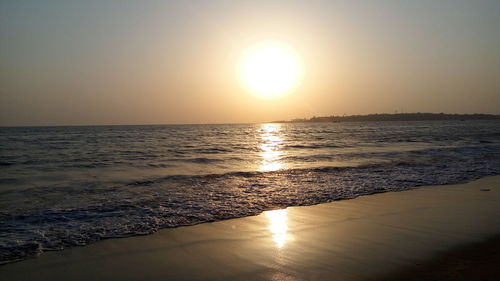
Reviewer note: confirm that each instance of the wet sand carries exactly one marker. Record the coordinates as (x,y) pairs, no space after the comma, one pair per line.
(472,262)
(388,236)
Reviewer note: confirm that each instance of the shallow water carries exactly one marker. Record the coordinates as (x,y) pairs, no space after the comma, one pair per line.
(67,186)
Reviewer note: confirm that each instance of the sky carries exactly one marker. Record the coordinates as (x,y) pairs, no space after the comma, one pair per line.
(175,62)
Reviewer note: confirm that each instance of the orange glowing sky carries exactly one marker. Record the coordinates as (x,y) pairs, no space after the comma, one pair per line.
(163,62)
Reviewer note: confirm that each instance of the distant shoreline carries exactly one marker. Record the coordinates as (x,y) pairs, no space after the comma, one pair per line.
(315,119)
(394,117)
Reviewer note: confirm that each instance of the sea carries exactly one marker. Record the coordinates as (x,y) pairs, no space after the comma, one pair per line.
(62,187)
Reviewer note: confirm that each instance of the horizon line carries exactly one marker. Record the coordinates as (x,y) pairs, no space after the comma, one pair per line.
(232,123)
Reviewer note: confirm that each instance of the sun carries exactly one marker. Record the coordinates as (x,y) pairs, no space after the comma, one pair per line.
(270,69)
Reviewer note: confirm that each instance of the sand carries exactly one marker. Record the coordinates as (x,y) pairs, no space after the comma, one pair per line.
(377,237)
(472,262)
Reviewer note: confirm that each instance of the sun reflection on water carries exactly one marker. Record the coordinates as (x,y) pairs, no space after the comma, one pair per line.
(278,225)
(271,140)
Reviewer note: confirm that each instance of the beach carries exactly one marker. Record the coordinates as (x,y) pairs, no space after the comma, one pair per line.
(373,237)
(138,142)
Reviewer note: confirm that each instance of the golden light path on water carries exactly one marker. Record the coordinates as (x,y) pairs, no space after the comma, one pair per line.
(272,139)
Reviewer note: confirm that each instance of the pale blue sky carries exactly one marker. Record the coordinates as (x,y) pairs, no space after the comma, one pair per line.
(143,62)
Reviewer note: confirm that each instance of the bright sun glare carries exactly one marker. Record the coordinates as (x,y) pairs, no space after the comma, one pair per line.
(270,69)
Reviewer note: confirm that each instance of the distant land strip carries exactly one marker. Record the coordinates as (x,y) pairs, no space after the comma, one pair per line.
(394,117)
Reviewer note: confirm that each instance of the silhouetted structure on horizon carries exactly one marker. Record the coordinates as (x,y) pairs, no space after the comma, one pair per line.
(396,117)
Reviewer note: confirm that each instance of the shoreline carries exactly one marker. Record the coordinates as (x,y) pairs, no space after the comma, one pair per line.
(354,239)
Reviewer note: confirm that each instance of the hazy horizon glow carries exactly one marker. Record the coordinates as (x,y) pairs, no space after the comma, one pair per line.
(164,62)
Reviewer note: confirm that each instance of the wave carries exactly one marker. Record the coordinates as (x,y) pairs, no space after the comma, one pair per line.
(313,146)
(79,217)
(70,186)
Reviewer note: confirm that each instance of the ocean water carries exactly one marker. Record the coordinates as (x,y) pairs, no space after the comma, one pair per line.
(70,186)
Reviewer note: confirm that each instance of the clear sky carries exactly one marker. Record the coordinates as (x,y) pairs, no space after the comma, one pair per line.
(159,62)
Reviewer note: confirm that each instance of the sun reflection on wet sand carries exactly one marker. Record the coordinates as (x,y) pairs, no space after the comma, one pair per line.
(272,139)
(278,225)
